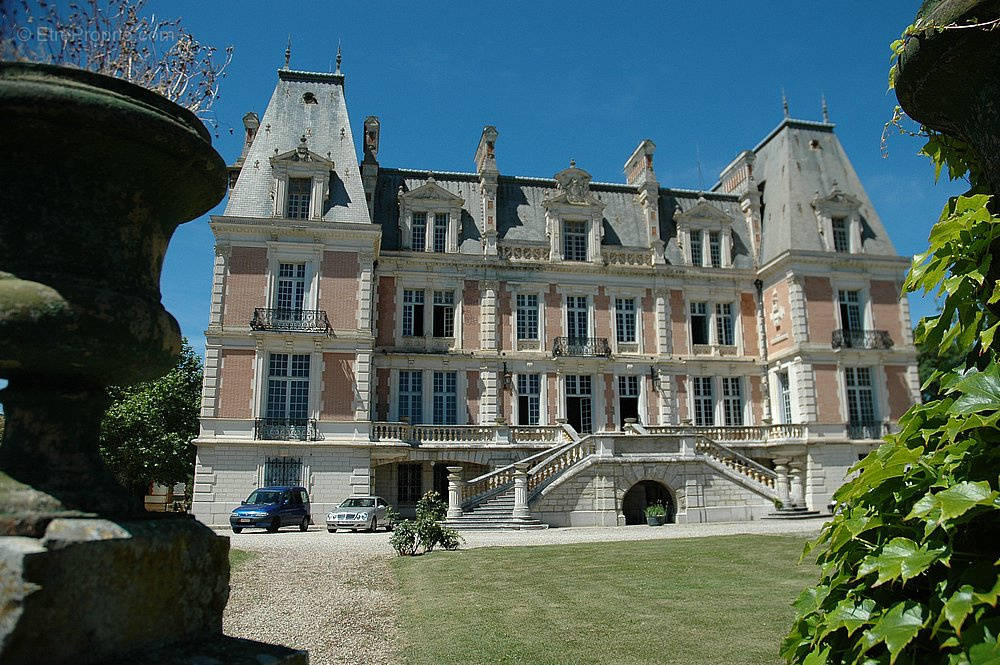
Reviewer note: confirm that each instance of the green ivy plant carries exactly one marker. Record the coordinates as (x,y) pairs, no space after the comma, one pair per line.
(909,563)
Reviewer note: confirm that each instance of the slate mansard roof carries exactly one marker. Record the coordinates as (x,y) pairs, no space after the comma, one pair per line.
(521,215)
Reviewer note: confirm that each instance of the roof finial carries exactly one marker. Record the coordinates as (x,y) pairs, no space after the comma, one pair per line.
(288,51)
(784,102)
(826,112)
(572,163)
(338,57)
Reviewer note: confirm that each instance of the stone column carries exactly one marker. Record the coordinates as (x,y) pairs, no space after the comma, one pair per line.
(366,291)
(781,484)
(797,302)
(521,490)
(796,492)
(454,492)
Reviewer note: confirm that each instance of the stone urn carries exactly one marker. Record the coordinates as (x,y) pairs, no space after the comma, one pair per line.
(97,173)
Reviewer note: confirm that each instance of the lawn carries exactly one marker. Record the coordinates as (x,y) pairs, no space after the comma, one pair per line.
(704,601)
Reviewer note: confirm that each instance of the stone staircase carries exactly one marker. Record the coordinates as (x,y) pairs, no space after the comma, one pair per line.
(799,513)
(495,513)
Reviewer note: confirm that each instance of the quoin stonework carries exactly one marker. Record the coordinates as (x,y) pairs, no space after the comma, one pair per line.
(544,350)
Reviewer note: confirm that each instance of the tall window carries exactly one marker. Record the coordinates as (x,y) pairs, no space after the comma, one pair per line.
(445,398)
(575,241)
(444,314)
(699,323)
(704,411)
(724,323)
(288,387)
(408,485)
(283,471)
(625,320)
(841,241)
(411,396)
(628,399)
(850,310)
(732,400)
(413,313)
(785,397)
(714,249)
(527,316)
(291,288)
(418,233)
(696,248)
(299,191)
(576,317)
(528,399)
(860,397)
(578,406)
(440,231)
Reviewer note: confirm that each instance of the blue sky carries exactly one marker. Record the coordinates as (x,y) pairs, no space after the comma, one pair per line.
(577,80)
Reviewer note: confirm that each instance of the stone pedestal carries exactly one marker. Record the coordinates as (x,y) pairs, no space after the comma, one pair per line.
(454,492)
(521,490)
(781,483)
(796,490)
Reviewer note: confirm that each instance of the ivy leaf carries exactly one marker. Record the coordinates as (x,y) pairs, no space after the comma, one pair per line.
(810,600)
(850,614)
(817,657)
(959,498)
(897,628)
(980,391)
(958,607)
(900,558)
(985,653)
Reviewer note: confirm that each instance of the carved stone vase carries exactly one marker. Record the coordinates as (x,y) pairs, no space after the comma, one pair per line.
(95,175)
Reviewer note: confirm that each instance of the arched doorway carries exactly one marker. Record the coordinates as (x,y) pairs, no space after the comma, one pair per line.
(646,493)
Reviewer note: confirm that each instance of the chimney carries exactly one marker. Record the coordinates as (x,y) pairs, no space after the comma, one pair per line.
(251,122)
(486,166)
(369,166)
(640,174)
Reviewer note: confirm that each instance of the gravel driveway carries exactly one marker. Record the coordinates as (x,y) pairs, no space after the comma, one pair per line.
(333,594)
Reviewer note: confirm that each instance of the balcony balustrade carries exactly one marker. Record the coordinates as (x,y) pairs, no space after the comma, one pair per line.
(285,429)
(581,346)
(867,430)
(861,339)
(296,320)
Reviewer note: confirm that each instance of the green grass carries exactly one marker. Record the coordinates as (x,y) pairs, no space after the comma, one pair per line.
(238,558)
(704,601)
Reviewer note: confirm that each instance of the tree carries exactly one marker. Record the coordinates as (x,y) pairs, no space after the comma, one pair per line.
(909,570)
(147,430)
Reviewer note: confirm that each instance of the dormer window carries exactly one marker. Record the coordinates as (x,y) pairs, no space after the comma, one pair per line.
(299,195)
(705,232)
(433,206)
(841,239)
(575,241)
(696,247)
(838,217)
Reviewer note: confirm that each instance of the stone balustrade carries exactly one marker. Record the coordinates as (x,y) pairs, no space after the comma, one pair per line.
(746,433)
(739,463)
(535,434)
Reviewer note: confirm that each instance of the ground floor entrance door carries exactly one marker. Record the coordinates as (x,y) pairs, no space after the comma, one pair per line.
(578,403)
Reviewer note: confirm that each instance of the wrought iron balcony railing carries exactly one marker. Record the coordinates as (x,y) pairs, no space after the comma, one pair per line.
(867,430)
(581,346)
(285,429)
(299,320)
(861,339)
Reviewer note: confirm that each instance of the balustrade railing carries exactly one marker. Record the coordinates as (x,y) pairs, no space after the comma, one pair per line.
(285,429)
(536,433)
(389,431)
(861,339)
(492,482)
(297,320)
(735,461)
(581,346)
(748,433)
(867,430)
(556,462)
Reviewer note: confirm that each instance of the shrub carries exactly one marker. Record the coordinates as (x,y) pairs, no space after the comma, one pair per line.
(656,510)
(404,538)
(430,506)
(429,533)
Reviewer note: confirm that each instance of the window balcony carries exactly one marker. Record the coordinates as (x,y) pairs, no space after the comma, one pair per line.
(861,339)
(295,320)
(285,429)
(581,346)
(867,430)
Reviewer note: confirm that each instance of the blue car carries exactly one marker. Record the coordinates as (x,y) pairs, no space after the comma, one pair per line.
(272,508)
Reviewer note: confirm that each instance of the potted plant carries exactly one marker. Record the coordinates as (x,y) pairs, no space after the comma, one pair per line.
(656,514)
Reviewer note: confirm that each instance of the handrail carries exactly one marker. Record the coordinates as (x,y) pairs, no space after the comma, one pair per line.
(736,461)
(557,462)
(742,433)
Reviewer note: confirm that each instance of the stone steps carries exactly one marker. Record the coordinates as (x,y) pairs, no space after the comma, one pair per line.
(793,514)
(496,513)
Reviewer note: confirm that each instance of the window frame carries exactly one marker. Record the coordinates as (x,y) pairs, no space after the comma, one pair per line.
(576,240)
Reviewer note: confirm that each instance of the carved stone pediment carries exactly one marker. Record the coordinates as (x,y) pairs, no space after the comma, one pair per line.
(836,200)
(302,155)
(573,189)
(431,191)
(703,212)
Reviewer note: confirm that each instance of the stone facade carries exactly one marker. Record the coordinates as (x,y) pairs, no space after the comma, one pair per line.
(371,326)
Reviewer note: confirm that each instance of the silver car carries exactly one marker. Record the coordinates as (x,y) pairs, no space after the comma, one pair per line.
(359,512)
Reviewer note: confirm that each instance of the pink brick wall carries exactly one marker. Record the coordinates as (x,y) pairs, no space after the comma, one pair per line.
(885,309)
(899,391)
(382,393)
(827,394)
(235,384)
(680,383)
(505,316)
(338,387)
(553,315)
(678,322)
(472,393)
(470,317)
(820,309)
(784,326)
(602,314)
(649,322)
(386,311)
(246,285)
(338,289)
(652,403)
(748,314)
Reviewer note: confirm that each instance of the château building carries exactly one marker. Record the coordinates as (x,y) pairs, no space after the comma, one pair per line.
(571,350)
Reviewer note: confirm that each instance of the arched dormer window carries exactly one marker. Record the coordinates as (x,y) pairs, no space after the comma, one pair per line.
(573,218)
